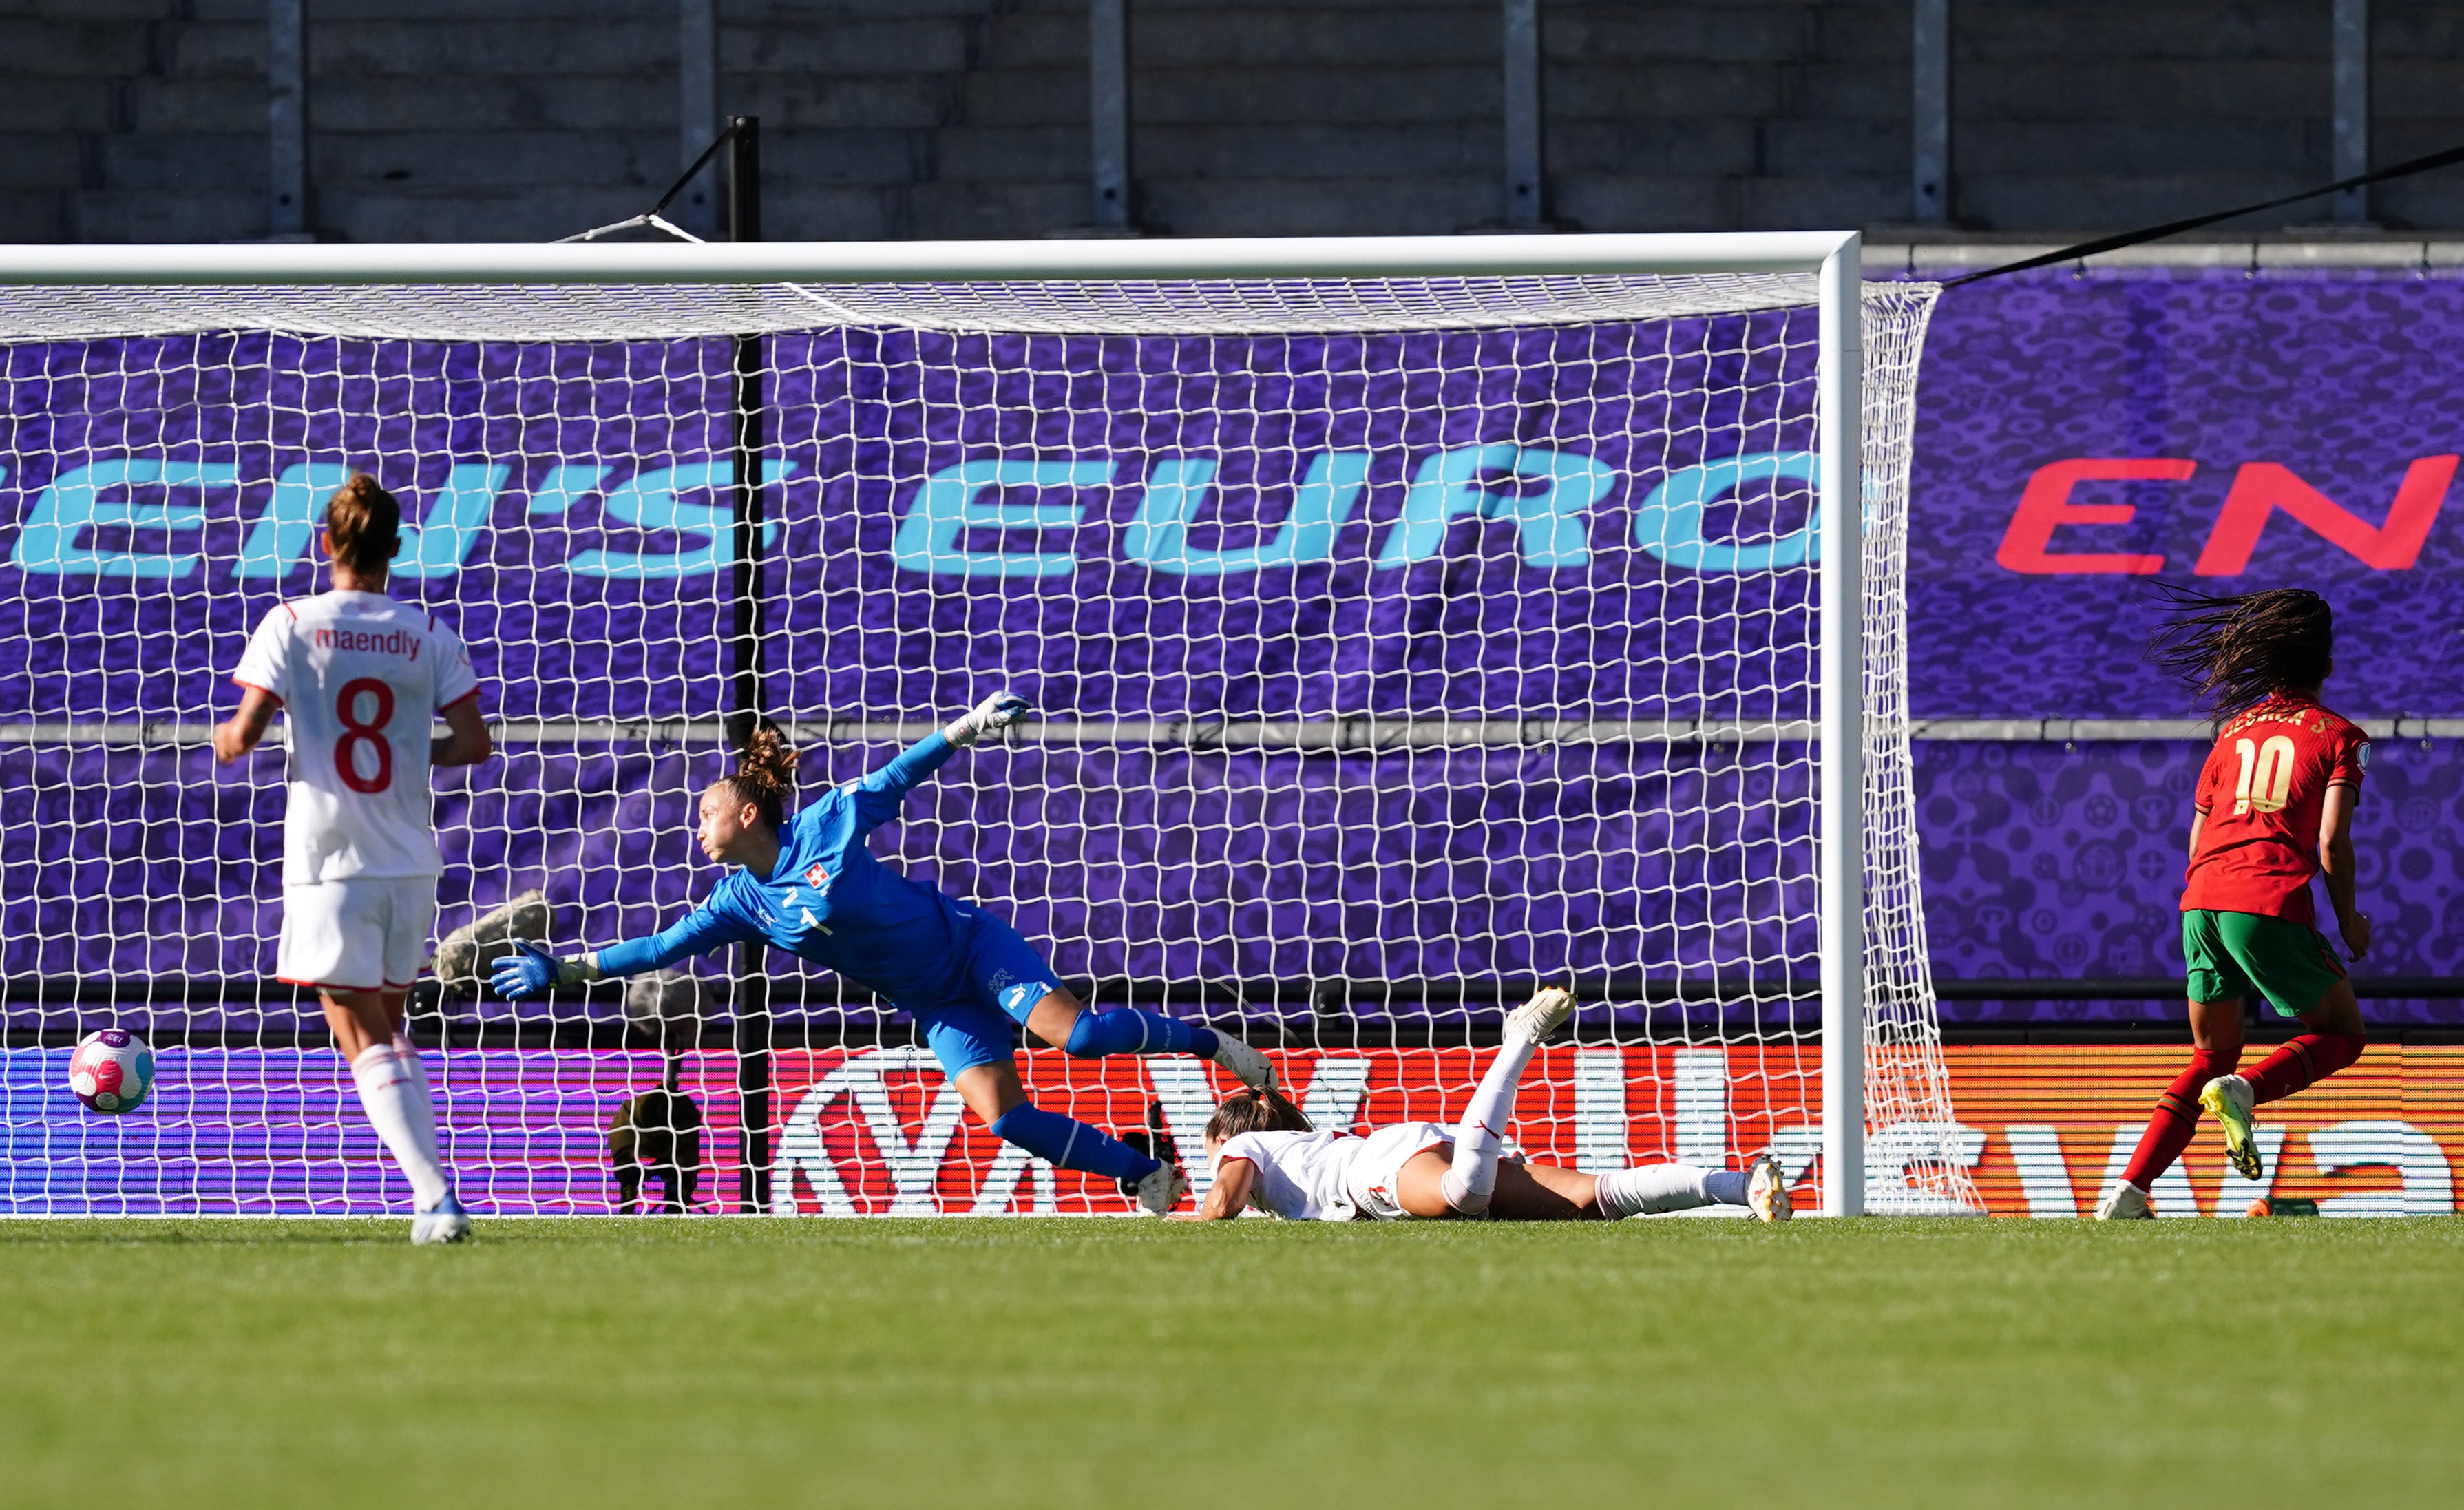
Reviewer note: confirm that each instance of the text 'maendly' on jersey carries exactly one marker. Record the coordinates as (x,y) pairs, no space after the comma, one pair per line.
(2261,794)
(829,900)
(359,677)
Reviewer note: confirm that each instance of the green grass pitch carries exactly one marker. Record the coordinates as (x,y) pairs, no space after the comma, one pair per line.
(989,1363)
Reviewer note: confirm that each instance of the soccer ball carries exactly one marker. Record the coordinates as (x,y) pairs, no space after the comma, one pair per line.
(112,1071)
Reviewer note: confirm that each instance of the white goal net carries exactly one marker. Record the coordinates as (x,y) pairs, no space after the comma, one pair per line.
(1398,643)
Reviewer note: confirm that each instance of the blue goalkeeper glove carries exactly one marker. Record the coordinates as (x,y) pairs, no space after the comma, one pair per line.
(991,716)
(532,971)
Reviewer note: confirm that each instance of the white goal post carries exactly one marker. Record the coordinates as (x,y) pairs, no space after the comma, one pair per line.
(1443,315)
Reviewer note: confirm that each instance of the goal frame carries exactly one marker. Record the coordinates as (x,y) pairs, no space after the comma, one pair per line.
(1832,256)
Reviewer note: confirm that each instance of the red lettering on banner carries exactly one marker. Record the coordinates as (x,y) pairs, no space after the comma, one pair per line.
(2045,505)
(2262,487)
(2043,1129)
(2058,1123)
(880,1132)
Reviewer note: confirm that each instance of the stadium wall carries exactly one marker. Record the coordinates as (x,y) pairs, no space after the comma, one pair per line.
(479,121)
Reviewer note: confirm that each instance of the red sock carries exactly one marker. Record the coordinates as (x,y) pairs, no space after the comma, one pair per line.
(2176,1118)
(2301,1063)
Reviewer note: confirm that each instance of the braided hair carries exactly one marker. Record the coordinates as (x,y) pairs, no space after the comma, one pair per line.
(764,776)
(1254,1111)
(2236,651)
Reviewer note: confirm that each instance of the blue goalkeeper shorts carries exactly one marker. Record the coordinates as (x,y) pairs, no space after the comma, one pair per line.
(1000,978)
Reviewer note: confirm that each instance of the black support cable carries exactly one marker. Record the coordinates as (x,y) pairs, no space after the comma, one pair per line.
(2131,238)
(724,137)
(750,995)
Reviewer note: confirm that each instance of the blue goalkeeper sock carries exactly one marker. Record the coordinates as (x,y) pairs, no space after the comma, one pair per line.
(1071,1144)
(1126,1029)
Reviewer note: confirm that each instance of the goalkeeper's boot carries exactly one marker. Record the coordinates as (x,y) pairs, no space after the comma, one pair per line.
(446,1223)
(2227,1099)
(1542,1015)
(1161,1189)
(1767,1191)
(2125,1201)
(1248,1065)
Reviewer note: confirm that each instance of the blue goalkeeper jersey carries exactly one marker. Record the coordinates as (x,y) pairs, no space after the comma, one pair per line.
(830,902)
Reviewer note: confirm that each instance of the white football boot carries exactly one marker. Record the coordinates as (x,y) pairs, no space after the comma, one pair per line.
(1767,1191)
(1542,1015)
(2125,1201)
(1248,1065)
(1162,1189)
(448,1223)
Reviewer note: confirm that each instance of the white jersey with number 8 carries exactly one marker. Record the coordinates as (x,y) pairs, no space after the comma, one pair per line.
(359,677)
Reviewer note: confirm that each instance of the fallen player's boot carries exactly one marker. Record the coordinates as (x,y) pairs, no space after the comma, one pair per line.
(1542,1015)
(444,1223)
(2228,1099)
(2125,1203)
(1767,1191)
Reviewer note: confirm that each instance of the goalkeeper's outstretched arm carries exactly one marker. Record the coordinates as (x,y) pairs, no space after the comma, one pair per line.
(882,790)
(532,971)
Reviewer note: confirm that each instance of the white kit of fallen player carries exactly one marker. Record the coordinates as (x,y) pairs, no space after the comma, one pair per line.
(1266,1155)
(357,677)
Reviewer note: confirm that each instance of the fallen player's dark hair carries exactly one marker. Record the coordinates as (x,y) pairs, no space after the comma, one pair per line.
(656,1133)
(765,774)
(365,523)
(1254,1111)
(2239,651)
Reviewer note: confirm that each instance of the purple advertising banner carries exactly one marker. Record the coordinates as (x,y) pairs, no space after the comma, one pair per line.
(2080,437)
(1595,521)
(1598,522)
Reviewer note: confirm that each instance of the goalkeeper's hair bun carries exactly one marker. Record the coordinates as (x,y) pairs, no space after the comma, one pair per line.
(1254,1111)
(765,773)
(364,522)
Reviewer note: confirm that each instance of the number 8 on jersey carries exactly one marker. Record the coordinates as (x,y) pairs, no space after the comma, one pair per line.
(358,675)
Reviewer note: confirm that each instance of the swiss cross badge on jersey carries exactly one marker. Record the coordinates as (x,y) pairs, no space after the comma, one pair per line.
(817,878)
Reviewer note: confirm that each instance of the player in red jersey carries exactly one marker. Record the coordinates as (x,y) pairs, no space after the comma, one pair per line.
(2275,807)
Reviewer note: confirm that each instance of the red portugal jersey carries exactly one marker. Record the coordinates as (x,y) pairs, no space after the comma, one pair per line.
(2261,793)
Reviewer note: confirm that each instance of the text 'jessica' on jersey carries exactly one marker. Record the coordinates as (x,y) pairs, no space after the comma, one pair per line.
(359,677)
(2261,793)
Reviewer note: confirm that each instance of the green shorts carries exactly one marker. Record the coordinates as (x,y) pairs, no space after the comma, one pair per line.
(2231,954)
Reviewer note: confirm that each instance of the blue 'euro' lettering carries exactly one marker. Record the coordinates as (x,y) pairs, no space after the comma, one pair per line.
(1669,522)
(74,503)
(968,497)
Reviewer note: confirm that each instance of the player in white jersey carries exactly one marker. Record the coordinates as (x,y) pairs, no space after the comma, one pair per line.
(359,678)
(1267,1156)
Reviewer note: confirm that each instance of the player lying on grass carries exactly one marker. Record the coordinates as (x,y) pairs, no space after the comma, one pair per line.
(2274,808)
(812,888)
(359,676)
(1266,1155)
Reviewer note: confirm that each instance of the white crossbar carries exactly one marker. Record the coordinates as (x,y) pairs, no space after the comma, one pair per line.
(921,261)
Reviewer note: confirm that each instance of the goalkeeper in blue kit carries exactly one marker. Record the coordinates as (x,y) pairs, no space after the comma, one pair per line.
(812,888)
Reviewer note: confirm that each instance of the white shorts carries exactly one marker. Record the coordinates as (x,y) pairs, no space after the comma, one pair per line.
(1374,1177)
(364,933)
